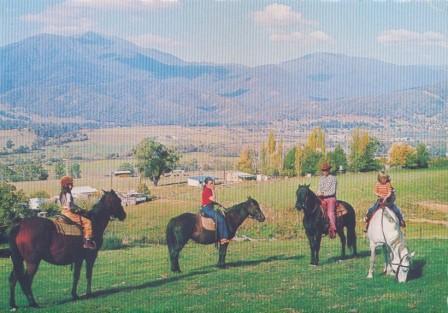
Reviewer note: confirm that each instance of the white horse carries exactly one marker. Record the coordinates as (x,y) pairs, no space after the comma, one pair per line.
(384,230)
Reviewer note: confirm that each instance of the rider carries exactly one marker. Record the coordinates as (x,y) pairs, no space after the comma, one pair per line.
(207,208)
(326,191)
(386,196)
(73,212)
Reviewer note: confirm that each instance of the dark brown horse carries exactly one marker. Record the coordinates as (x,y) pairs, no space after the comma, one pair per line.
(185,226)
(35,239)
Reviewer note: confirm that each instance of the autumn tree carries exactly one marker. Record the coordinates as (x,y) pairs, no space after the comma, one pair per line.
(316,140)
(246,161)
(399,152)
(363,148)
(271,156)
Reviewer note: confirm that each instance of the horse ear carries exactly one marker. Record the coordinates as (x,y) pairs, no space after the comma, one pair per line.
(308,186)
(249,198)
(104,191)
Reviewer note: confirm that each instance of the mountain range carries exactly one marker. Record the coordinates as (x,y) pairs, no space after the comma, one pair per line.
(110,81)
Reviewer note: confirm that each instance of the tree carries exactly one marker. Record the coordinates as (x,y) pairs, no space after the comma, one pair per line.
(299,159)
(9,144)
(271,156)
(362,152)
(310,162)
(59,169)
(289,164)
(246,161)
(13,205)
(337,158)
(154,159)
(75,170)
(316,140)
(422,155)
(399,152)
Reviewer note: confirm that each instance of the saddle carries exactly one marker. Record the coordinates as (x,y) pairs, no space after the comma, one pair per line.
(66,226)
(341,210)
(205,223)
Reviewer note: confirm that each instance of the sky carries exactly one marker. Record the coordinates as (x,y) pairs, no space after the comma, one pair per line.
(249,32)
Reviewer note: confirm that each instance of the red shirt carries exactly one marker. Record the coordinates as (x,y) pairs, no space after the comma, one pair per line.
(206,194)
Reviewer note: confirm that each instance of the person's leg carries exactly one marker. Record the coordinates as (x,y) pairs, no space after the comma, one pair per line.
(398,213)
(219,220)
(86,224)
(331,207)
(369,215)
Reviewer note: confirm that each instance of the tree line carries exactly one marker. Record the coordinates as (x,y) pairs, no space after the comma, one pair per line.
(303,159)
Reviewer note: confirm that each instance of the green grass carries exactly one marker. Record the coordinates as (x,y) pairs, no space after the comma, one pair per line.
(264,276)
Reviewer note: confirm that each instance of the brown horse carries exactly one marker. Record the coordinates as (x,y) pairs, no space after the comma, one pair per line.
(185,226)
(35,239)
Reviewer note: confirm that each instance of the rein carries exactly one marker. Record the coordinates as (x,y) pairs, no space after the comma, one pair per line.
(399,265)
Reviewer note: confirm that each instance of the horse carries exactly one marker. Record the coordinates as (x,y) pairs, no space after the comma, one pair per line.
(384,230)
(187,226)
(315,223)
(35,239)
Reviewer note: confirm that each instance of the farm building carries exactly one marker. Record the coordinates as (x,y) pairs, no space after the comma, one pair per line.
(122,173)
(83,192)
(198,181)
(235,176)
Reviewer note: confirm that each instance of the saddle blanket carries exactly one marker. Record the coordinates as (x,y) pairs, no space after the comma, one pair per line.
(206,223)
(67,229)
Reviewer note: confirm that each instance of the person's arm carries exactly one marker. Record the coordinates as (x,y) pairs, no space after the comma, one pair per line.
(319,188)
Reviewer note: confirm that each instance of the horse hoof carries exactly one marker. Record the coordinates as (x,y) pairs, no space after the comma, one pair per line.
(13,309)
(34,305)
(75,297)
(370,276)
(222,266)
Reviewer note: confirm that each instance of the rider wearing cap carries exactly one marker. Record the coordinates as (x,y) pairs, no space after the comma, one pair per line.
(327,193)
(72,211)
(207,209)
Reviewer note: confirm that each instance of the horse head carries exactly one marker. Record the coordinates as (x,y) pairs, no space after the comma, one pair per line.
(402,268)
(113,203)
(302,196)
(254,210)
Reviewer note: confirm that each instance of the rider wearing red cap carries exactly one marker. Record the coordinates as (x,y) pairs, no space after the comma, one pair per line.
(72,211)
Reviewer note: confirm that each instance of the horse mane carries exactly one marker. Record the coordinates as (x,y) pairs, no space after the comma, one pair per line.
(236,207)
(97,208)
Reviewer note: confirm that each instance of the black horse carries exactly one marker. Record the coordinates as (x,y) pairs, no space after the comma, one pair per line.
(315,223)
(188,225)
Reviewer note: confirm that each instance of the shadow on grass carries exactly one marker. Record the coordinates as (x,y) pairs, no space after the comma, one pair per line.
(150,284)
(335,259)
(266,260)
(416,270)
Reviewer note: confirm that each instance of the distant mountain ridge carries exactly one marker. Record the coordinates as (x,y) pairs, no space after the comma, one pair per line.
(113,81)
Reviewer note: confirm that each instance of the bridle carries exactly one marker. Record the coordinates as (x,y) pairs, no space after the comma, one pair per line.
(399,265)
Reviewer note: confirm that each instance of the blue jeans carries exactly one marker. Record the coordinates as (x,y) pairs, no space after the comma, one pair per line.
(222,231)
(392,206)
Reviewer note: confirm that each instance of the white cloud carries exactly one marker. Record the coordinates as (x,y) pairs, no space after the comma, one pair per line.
(301,37)
(155,41)
(400,36)
(78,16)
(280,15)
(61,20)
(122,4)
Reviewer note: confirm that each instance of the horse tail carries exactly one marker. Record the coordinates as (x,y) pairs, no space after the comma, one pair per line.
(351,227)
(16,257)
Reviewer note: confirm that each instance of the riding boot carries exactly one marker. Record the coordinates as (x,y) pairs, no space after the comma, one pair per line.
(89,244)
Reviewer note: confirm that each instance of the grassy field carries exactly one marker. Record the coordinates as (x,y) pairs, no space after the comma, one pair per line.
(269,274)
(263,276)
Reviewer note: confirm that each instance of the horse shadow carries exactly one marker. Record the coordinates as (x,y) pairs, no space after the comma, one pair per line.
(336,259)
(416,270)
(150,284)
(274,258)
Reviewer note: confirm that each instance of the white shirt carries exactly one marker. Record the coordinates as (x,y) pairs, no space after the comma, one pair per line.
(327,186)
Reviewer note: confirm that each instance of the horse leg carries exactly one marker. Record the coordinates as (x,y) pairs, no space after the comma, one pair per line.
(372,261)
(31,269)
(176,239)
(317,247)
(343,241)
(387,269)
(311,242)
(222,256)
(351,239)
(12,290)
(76,273)
(90,261)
